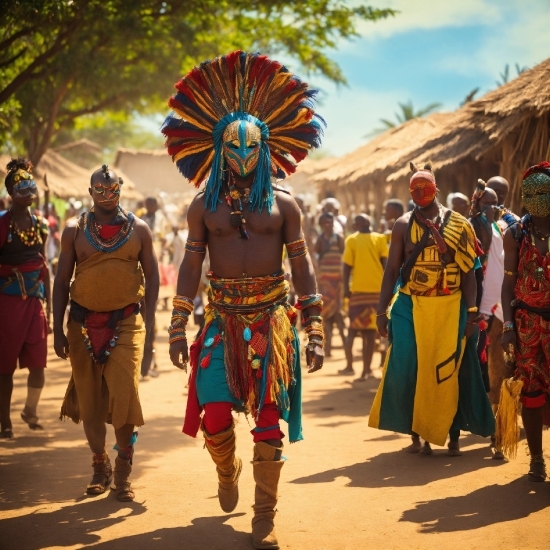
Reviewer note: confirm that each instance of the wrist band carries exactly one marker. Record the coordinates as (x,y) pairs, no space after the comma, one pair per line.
(309,300)
(183,307)
(472,309)
(381,314)
(507,326)
(510,273)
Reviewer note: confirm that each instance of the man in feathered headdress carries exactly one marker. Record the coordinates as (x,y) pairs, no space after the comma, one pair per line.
(237,121)
(432,383)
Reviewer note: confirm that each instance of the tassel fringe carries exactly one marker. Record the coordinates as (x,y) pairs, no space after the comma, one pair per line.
(507,427)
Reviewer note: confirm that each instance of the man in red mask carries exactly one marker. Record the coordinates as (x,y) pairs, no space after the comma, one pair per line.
(432,383)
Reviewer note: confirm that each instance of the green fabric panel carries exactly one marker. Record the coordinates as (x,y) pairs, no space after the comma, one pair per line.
(211,382)
(396,409)
(474,412)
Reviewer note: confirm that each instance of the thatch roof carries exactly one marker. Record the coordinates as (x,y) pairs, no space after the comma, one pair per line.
(301,181)
(153,171)
(508,126)
(372,161)
(64,179)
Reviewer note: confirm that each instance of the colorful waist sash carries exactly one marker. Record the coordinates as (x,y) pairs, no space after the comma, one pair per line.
(261,346)
(24,284)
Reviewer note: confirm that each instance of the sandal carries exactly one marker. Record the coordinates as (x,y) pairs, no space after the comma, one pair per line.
(426,449)
(103,475)
(122,486)
(6,434)
(537,468)
(32,421)
(453,449)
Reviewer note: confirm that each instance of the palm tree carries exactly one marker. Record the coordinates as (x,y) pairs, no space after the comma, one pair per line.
(407,113)
(505,75)
(470,97)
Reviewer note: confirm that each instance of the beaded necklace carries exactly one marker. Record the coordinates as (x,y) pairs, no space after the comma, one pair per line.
(92,230)
(29,237)
(235,200)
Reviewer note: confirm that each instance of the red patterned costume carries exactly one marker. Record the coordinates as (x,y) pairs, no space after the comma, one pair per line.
(532,320)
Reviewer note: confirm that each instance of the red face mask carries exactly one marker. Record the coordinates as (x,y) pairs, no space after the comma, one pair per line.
(422,192)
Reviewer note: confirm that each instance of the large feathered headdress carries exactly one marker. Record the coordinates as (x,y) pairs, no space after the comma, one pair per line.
(241,86)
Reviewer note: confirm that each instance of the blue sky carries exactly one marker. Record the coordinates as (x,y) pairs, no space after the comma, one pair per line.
(433,51)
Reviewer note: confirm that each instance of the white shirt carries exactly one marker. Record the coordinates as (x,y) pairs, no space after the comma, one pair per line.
(494,277)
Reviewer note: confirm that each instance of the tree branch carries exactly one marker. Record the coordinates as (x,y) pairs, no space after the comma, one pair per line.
(25,75)
(66,117)
(10,40)
(12,59)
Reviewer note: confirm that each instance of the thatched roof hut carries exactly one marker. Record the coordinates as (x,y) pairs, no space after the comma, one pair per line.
(83,152)
(153,172)
(65,179)
(503,133)
(301,182)
(358,179)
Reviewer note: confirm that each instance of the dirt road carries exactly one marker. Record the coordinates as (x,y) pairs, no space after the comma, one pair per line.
(345,486)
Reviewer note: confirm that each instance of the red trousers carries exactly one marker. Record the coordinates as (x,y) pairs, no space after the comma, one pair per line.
(217,418)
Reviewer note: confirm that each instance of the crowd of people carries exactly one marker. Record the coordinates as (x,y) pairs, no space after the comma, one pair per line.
(457,298)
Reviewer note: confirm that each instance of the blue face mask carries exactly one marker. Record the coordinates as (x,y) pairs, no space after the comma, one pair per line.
(241,147)
(25,185)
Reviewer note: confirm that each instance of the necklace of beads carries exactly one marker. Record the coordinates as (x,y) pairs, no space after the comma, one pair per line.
(29,237)
(235,199)
(92,231)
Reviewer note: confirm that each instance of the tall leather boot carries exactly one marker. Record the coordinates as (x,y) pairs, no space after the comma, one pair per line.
(221,447)
(267,466)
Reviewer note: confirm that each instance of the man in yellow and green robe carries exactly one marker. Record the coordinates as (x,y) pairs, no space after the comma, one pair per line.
(432,383)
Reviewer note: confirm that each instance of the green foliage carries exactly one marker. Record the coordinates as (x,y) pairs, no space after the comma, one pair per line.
(505,74)
(407,113)
(470,97)
(61,60)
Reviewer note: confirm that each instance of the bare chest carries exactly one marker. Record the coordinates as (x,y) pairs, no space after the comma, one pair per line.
(218,223)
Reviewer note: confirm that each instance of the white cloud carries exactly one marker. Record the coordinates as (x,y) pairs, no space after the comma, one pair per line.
(429,14)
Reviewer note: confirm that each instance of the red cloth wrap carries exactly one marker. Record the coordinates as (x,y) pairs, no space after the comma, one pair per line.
(99,332)
(192,421)
(533,402)
(109,231)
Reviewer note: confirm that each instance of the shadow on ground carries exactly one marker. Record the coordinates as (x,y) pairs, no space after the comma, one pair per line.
(71,525)
(355,400)
(203,533)
(401,469)
(518,499)
(68,467)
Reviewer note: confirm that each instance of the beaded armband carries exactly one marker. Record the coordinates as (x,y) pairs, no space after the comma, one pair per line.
(313,324)
(195,246)
(183,307)
(507,326)
(296,249)
(510,273)
(309,300)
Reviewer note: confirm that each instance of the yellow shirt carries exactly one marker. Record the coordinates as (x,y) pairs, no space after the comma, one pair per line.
(363,253)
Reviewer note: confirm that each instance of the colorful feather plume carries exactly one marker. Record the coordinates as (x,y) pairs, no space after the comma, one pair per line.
(241,86)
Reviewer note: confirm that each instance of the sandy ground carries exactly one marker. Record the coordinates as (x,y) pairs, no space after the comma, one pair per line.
(345,486)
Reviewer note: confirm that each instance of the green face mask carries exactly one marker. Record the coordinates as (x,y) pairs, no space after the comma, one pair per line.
(535,194)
